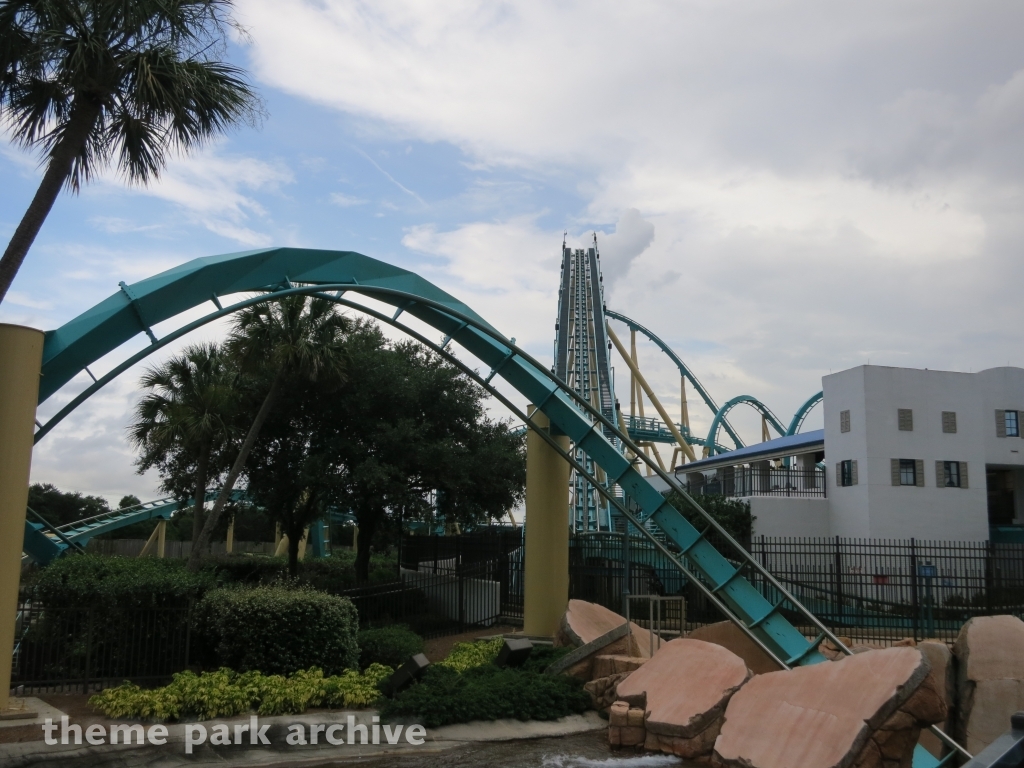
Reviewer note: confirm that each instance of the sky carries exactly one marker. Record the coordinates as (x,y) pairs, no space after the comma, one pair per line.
(778,190)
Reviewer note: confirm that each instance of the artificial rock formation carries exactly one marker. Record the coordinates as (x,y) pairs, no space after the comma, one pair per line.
(990,678)
(584,622)
(683,692)
(943,674)
(608,671)
(728,635)
(594,630)
(864,711)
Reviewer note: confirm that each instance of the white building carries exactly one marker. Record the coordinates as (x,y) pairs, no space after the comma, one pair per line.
(907,453)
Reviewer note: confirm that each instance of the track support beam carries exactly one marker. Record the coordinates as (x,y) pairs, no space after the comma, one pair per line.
(21,350)
(546,577)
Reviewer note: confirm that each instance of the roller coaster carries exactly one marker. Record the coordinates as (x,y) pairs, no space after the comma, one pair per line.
(577,399)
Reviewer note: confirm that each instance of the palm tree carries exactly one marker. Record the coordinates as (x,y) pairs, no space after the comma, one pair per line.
(87,81)
(185,418)
(297,336)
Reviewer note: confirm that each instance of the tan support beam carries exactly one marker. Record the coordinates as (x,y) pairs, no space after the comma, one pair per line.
(632,376)
(302,544)
(21,356)
(277,536)
(229,542)
(161,539)
(150,542)
(653,398)
(684,409)
(546,576)
(282,545)
(765,434)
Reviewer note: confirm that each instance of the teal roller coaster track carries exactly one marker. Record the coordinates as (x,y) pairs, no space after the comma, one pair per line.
(766,615)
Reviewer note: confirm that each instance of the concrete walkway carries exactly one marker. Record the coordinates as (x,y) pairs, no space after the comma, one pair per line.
(279,753)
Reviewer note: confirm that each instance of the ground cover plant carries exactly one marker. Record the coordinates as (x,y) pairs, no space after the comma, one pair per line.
(468,686)
(225,693)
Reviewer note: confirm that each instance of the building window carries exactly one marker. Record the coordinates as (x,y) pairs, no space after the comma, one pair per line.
(906,420)
(949,422)
(908,474)
(848,472)
(844,421)
(1010,420)
(951,474)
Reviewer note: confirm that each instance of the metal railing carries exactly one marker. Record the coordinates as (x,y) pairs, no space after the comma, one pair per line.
(754,481)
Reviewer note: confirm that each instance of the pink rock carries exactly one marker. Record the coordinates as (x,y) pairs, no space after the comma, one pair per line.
(728,635)
(990,678)
(685,687)
(585,622)
(824,715)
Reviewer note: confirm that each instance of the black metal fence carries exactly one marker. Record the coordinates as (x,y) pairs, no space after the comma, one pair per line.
(84,648)
(866,590)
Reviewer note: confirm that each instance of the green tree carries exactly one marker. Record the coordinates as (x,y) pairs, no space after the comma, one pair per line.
(408,425)
(184,421)
(60,508)
(86,82)
(296,339)
(732,514)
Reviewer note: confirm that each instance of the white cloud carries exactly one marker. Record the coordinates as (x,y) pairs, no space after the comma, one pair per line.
(212,190)
(632,236)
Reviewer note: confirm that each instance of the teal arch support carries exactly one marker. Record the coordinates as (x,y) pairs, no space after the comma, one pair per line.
(684,370)
(802,411)
(138,308)
(711,440)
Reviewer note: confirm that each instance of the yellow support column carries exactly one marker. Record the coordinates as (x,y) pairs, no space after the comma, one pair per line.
(229,543)
(21,357)
(546,578)
(161,539)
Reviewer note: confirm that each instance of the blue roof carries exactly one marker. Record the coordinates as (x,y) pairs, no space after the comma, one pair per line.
(790,445)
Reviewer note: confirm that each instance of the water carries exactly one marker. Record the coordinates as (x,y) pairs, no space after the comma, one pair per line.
(584,750)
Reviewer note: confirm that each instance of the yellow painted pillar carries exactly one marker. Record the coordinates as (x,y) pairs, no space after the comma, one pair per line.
(546,578)
(21,356)
(229,544)
(302,544)
(161,539)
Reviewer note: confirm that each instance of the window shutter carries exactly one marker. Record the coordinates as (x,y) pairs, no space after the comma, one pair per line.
(844,421)
(905,419)
(949,422)
(894,468)
(853,472)
(919,472)
(963,474)
(1000,423)
(839,473)
(940,474)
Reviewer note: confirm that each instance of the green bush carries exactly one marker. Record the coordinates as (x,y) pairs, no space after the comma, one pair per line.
(279,630)
(388,645)
(333,574)
(225,693)
(121,582)
(485,692)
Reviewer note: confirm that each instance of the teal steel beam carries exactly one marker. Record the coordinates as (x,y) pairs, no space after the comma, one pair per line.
(802,411)
(719,420)
(683,370)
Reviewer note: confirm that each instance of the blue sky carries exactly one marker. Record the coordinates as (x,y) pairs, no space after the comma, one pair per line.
(778,191)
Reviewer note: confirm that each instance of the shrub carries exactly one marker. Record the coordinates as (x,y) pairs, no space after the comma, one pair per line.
(225,693)
(485,692)
(468,655)
(279,630)
(121,582)
(388,645)
(332,574)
